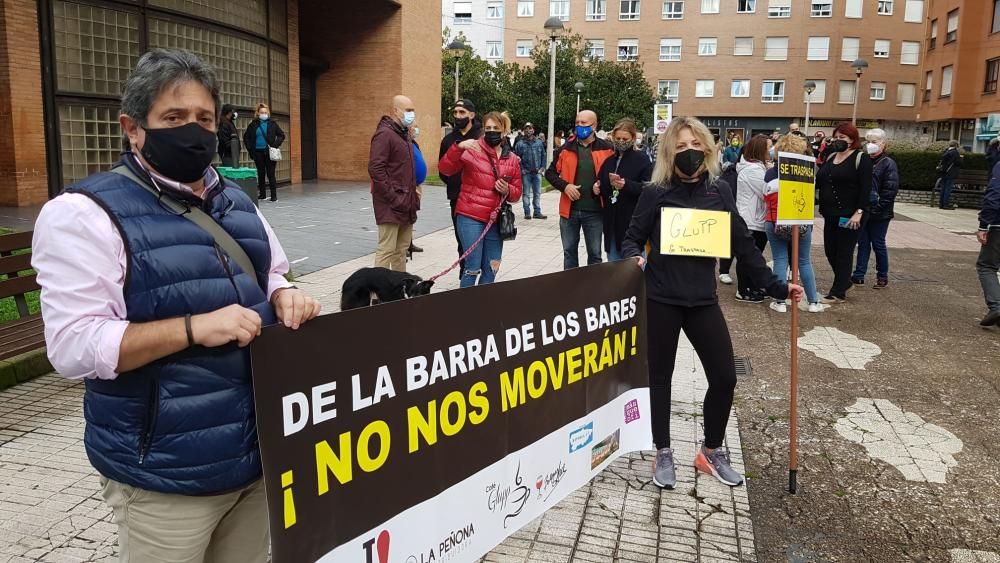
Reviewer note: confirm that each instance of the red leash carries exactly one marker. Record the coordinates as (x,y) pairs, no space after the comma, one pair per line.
(489,224)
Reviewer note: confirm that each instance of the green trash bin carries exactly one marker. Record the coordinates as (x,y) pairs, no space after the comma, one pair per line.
(246,178)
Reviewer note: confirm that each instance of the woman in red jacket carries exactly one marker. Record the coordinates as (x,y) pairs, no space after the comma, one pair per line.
(490,173)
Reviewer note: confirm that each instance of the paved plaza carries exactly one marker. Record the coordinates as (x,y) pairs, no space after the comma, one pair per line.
(899,408)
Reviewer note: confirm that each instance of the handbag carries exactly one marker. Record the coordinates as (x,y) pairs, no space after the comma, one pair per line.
(505,213)
(274,153)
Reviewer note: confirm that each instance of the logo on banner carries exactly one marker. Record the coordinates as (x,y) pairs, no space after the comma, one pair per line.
(603,450)
(508,499)
(454,543)
(381,548)
(547,482)
(632,411)
(581,437)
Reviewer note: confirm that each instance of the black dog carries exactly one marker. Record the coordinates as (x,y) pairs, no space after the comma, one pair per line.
(383,283)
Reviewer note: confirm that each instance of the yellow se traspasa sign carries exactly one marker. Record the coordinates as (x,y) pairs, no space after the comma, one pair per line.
(695,232)
(796,189)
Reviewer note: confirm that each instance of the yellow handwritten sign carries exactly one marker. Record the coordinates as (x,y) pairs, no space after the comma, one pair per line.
(695,232)
(796,189)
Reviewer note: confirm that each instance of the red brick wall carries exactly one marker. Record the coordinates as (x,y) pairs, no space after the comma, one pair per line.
(295,138)
(22,132)
(422,71)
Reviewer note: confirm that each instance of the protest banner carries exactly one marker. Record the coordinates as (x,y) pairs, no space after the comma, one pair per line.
(430,429)
(695,232)
(796,206)
(662,115)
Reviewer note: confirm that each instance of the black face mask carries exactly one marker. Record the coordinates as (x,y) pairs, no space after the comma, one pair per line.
(839,145)
(461,122)
(180,153)
(493,138)
(689,161)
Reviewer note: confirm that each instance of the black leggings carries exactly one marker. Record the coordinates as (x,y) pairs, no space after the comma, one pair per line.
(706,328)
(839,244)
(742,276)
(265,170)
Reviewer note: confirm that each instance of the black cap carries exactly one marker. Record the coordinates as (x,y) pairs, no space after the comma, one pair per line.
(467,104)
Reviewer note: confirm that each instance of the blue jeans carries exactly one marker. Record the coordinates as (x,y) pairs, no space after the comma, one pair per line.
(781,248)
(946,185)
(592,223)
(987,266)
(532,190)
(873,237)
(483,263)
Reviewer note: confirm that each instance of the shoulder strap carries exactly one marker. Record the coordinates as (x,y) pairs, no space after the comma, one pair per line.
(200,218)
(857,160)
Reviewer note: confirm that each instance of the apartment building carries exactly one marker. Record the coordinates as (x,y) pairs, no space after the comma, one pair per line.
(481,22)
(741,64)
(960,71)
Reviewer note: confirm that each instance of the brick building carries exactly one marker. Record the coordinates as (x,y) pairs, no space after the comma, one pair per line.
(960,71)
(327,77)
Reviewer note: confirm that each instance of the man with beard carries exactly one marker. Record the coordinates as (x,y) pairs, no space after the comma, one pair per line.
(466,127)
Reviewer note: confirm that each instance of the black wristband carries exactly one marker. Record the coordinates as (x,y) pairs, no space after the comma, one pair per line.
(187,328)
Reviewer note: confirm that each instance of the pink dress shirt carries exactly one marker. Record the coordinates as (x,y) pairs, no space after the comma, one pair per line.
(79,256)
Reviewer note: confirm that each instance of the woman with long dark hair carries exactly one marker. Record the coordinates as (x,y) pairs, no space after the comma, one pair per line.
(750,203)
(681,293)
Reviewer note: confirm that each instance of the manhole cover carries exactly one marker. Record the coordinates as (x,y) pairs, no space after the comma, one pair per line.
(744,367)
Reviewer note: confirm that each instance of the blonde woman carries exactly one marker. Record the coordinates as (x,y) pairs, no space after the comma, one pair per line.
(681,293)
(261,134)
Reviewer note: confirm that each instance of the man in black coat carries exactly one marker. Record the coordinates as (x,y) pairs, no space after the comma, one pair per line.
(466,127)
(949,168)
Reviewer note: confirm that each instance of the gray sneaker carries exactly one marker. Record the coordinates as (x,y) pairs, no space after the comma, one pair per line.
(717,464)
(664,472)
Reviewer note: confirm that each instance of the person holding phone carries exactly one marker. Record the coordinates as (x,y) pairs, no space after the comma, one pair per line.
(845,185)
(491,173)
(619,185)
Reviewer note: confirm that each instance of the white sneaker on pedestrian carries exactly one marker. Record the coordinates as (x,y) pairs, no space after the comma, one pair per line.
(817,307)
(726,279)
(778,306)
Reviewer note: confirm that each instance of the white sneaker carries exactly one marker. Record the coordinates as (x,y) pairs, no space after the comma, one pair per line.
(817,307)
(726,279)
(778,306)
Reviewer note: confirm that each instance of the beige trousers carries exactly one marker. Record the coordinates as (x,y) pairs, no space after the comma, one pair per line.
(160,528)
(393,242)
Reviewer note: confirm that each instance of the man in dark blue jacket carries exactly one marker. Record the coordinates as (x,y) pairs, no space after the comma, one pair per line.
(989,257)
(154,312)
(531,150)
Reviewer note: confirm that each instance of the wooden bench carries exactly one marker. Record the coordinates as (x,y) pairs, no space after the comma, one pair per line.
(27,333)
(969,181)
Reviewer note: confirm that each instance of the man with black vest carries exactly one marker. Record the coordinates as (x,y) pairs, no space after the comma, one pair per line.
(155,277)
(466,127)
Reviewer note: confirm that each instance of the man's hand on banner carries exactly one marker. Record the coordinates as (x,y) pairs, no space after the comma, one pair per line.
(795,292)
(294,307)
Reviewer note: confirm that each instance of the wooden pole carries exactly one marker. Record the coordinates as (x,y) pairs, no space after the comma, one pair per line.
(793,437)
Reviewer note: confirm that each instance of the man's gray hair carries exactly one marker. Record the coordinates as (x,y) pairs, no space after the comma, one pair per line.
(162,68)
(877,136)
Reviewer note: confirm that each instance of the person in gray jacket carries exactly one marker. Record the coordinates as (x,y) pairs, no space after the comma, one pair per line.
(750,203)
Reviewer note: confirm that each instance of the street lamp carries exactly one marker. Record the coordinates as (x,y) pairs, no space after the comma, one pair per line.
(457,49)
(859,66)
(579,88)
(554,27)
(810,87)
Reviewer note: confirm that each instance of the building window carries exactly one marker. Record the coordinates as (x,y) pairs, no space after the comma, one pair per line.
(773,91)
(776,49)
(673,9)
(670,49)
(996,16)
(710,6)
(885,7)
(669,89)
(878,91)
(952,27)
(850,49)
(819,49)
(779,9)
(740,89)
(906,95)
(494,49)
(852,9)
(524,48)
(597,10)
(882,48)
(704,89)
(992,73)
(914,11)
(743,46)
(846,95)
(819,94)
(928,85)
(463,12)
(525,8)
(932,41)
(821,9)
(595,49)
(628,10)
(494,11)
(746,6)
(909,53)
(628,50)
(708,46)
(946,74)
(559,9)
